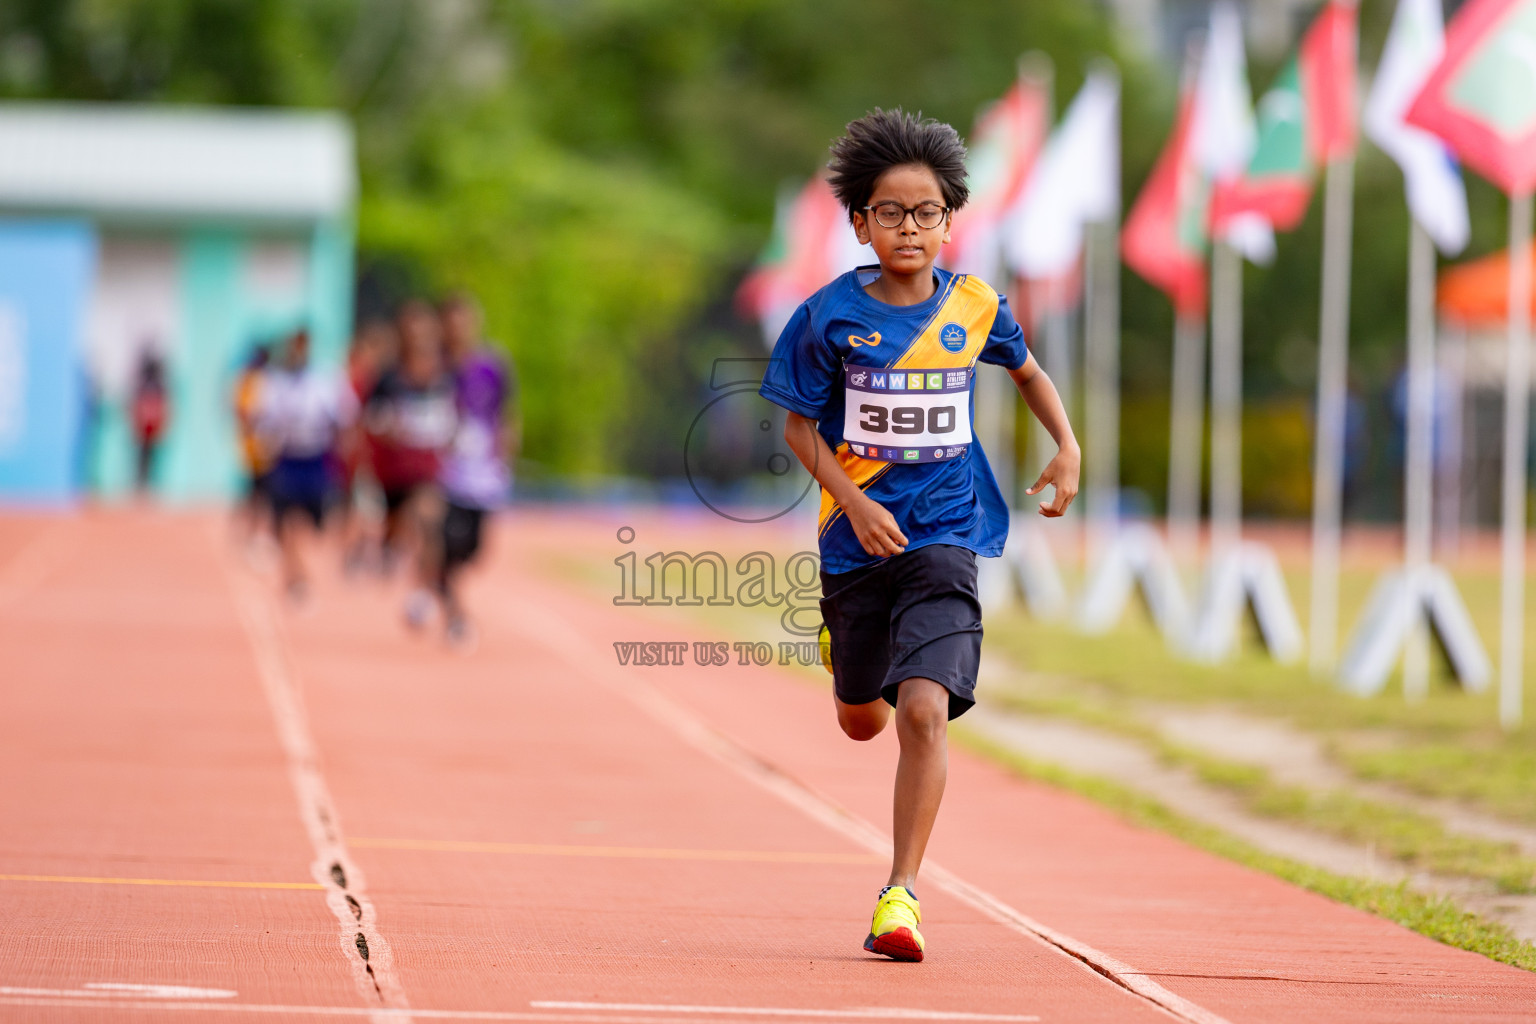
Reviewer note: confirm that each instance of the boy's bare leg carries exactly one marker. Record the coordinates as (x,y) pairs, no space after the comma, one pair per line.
(293,559)
(862,721)
(427,511)
(922,725)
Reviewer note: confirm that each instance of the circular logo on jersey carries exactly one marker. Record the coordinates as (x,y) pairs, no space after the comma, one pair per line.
(952,337)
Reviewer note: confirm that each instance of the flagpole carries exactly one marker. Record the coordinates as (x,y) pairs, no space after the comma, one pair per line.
(995,401)
(1186,429)
(1417,479)
(1003,424)
(1332,370)
(1101,373)
(1517,389)
(1055,357)
(1226,401)
(1060,339)
(1451,367)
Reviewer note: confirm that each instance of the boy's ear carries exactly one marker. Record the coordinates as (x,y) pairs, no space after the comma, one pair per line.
(861,228)
(949,220)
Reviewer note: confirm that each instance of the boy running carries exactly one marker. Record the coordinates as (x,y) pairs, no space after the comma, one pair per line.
(410,418)
(877,371)
(302,413)
(474,476)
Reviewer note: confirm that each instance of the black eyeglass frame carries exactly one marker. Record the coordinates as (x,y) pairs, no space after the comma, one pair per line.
(905,211)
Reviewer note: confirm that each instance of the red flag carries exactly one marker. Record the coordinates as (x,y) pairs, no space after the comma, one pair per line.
(1481,98)
(1007,139)
(1164,238)
(812,243)
(1305,119)
(1328,77)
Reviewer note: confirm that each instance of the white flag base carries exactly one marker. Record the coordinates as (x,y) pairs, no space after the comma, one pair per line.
(1136,559)
(1029,556)
(994,585)
(1246,577)
(1399,600)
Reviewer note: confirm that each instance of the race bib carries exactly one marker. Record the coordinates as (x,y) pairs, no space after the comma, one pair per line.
(907,415)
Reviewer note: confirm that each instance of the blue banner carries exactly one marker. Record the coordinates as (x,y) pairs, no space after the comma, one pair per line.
(46,274)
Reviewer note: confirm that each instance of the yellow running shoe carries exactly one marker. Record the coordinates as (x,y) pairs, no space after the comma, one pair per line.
(893,932)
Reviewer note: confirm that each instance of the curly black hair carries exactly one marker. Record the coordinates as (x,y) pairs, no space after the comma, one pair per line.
(883,139)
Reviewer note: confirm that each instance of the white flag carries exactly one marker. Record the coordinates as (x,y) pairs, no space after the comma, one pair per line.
(1224,131)
(1076,182)
(1436,196)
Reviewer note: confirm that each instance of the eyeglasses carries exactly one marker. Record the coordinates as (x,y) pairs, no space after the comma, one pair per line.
(892,215)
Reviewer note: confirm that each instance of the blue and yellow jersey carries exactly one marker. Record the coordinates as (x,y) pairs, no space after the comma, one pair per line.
(890,389)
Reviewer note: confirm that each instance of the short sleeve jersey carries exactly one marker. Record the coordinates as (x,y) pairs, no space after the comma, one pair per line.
(938,500)
(300,412)
(474,472)
(409,426)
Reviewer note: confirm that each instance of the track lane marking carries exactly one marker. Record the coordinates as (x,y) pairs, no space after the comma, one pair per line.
(639,852)
(554,633)
(367,952)
(119,990)
(383,1015)
(197,883)
(875,1012)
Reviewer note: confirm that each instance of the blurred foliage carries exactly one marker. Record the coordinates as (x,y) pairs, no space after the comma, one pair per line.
(602,172)
(1277,452)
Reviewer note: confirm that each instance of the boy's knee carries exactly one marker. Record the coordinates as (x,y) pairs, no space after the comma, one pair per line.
(862,721)
(861,729)
(924,713)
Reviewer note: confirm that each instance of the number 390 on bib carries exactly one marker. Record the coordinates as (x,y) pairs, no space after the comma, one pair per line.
(911,415)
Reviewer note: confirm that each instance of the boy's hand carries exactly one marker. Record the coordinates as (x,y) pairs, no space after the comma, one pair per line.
(875,527)
(1061,473)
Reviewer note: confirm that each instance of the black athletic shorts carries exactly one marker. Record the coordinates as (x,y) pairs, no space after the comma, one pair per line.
(299,484)
(396,497)
(461,534)
(914,615)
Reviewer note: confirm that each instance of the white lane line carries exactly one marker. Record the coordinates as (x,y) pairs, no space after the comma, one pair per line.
(555,633)
(366,951)
(873,1012)
(116,990)
(117,1006)
(119,988)
(188,883)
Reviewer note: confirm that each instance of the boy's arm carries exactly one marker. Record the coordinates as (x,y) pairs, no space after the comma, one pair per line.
(1041,397)
(874,526)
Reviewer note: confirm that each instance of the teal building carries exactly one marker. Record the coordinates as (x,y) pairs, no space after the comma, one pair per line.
(183,235)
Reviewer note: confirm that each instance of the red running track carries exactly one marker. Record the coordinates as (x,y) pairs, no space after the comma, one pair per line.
(215,806)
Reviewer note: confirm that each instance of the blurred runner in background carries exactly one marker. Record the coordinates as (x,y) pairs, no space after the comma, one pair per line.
(255,457)
(375,349)
(303,413)
(150,410)
(475,478)
(410,419)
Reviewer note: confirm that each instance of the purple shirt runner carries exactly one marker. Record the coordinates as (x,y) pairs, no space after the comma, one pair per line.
(474,472)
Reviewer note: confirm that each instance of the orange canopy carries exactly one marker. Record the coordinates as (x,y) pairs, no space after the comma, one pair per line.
(1476,293)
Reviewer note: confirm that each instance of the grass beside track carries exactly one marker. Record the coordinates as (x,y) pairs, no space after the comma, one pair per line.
(1417,840)
(1446,745)
(1438,918)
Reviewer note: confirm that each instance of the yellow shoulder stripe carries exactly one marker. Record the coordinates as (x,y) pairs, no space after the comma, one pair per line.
(861,471)
(973,305)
